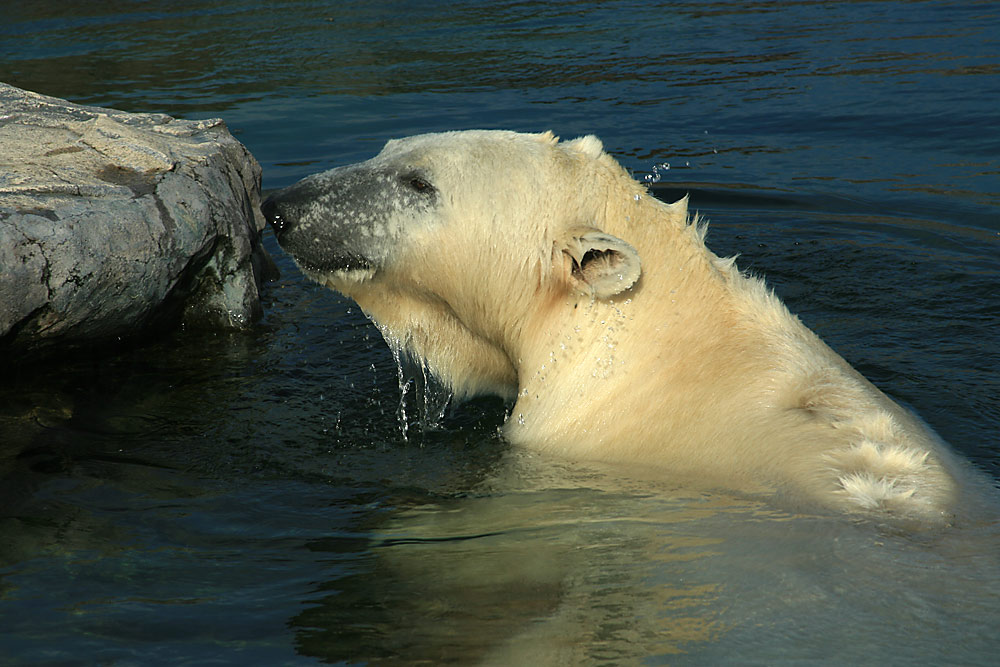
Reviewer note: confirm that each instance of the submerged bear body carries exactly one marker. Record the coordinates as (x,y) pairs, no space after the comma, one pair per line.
(540,271)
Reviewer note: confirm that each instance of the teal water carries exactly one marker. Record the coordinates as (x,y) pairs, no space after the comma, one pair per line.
(251,498)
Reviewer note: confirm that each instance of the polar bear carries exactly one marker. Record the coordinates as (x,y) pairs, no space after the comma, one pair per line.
(539,270)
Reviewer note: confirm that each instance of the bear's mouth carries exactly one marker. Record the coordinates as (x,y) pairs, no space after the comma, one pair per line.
(340,261)
(339,268)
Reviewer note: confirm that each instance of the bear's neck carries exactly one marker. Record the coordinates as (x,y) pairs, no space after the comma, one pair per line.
(583,364)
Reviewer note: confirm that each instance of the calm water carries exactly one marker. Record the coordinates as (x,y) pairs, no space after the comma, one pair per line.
(251,498)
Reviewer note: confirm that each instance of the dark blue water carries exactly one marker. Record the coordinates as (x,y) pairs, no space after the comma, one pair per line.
(252,498)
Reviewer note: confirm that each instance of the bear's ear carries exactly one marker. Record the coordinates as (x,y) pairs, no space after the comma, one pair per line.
(600,264)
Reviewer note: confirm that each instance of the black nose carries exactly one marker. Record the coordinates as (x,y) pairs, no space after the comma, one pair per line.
(273,215)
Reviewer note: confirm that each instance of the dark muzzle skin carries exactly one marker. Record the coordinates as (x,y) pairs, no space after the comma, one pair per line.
(316,220)
(348,218)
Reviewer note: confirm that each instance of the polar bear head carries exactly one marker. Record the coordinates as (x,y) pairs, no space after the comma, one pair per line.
(456,243)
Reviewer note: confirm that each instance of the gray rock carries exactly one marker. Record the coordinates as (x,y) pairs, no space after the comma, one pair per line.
(112,221)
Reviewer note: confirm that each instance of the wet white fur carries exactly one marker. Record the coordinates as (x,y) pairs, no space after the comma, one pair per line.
(695,370)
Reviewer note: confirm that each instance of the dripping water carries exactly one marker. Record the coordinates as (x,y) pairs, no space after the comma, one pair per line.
(423,399)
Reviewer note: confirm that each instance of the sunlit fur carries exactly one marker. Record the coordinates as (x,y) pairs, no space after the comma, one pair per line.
(696,370)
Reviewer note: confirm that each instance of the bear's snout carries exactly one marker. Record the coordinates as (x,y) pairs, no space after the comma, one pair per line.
(316,221)
(292,207)
(350,218)
(273,216)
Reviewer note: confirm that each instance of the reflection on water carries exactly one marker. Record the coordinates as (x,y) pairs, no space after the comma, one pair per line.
(557,576)
(592,569)
(251,498)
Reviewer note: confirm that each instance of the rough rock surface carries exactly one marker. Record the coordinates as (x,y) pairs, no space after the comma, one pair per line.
(111,222)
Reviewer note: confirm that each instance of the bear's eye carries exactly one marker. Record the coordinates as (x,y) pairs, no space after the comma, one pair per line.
(420,185)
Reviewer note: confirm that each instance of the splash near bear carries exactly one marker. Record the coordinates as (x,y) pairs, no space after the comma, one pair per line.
(541,271)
